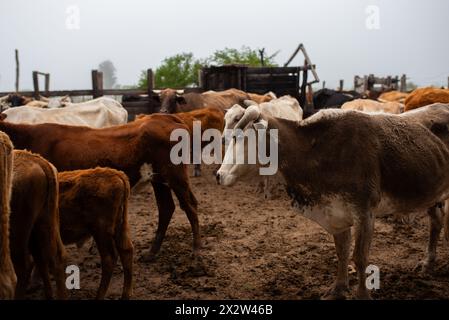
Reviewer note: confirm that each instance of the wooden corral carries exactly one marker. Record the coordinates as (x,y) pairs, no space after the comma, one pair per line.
(373,83)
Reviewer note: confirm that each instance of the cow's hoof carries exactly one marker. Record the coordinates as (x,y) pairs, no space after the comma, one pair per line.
(148,257)
(336,293)
(363,295)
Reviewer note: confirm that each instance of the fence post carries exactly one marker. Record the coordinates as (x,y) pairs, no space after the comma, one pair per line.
(150,82)
(36,85)
(403,83)
(342,82)
(97,84)
(17,70)
(324,84)
(47,83)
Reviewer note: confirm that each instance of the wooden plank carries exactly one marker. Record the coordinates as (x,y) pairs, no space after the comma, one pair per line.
(270,77)
(36,85)
(273,70)
(17,70)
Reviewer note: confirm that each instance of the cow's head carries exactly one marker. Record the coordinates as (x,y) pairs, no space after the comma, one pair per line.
(233,169)
(232,117)
(169,100)
(16,100)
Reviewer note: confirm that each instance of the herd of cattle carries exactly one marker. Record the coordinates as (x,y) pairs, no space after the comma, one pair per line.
(360,156)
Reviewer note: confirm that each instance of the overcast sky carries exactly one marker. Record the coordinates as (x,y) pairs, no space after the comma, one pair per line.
(412,37)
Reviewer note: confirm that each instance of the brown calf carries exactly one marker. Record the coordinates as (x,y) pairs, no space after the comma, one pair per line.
(7,275)
(35,223)
(426,96)
(94,203)
(126,148)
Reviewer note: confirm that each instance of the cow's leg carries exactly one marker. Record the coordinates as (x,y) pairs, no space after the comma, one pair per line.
(364,229)
(105,245)
(342,246)
(197,170)
(125,249)
(166,207)
(23,267)
(436,224)
(43,267)
(188,203)
(58,264)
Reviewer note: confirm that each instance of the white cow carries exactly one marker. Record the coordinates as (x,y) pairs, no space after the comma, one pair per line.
(97,113)
(371,106)
(285,107)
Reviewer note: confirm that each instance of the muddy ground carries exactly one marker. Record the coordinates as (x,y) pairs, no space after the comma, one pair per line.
(257,249)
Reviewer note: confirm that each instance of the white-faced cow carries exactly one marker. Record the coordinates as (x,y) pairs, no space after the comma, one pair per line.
(344,168)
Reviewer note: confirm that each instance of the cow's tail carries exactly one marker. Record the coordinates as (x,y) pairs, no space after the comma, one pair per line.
(123,241)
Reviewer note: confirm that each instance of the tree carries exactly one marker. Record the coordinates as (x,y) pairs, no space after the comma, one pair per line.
(178,71)
(245,55)
(109,71)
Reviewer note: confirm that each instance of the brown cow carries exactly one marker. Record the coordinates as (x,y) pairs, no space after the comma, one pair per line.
(172,102)
(259,98)
(94,203)
(393,96)
(35,224)
(210,118)
(126,148)
(426,96)
(7,275)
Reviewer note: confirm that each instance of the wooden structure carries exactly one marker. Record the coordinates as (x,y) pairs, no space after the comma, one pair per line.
(373,83)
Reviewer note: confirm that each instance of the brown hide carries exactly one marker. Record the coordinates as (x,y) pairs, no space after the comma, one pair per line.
(35,223)
(7,275)
(126,148)
(94,203)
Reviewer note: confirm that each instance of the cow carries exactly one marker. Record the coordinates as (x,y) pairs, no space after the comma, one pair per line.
(426,96)
(97,113)
(8,277)
(35,224)
(327,98)
(173,102)
(371,106)
(258,98)
(393,96)
(402,166)
(209,118)
(94,203)
(127,148)
(285,107)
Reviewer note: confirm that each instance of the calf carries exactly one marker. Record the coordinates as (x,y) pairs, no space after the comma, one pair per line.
(35,224)
(94,203)
(7,275)
(402,166)
(127,148)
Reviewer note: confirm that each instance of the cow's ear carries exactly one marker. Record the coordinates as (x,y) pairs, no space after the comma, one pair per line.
(181,100)
(3,116)
(260,124)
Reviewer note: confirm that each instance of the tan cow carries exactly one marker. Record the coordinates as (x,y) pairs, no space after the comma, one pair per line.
(94,203)
(393,96)
(371,106)
(426,96)
(35,224)
(7,275)
(259,98)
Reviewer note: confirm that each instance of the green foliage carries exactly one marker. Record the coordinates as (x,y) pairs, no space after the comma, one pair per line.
(181,70)
(178,71)
(245,55)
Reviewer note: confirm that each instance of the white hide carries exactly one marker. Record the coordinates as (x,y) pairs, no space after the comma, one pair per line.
(97,113)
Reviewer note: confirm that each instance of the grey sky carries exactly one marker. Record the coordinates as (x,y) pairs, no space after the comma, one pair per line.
(137,34)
